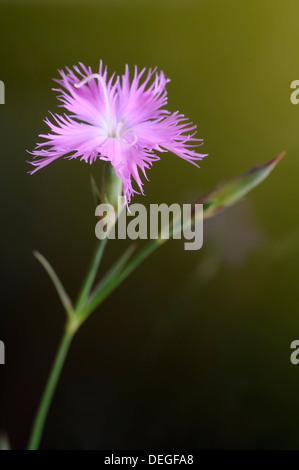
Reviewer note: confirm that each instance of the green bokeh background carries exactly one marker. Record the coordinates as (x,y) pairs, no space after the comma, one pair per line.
(193,350)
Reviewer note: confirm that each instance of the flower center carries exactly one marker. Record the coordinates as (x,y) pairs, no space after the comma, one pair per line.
(122,133)
(116,130)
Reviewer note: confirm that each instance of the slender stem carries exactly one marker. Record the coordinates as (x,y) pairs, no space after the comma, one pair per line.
(94,266)
(41,415)
(75,320)
(91,274)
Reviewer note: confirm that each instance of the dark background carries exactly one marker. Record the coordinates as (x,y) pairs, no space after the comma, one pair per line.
(193,350)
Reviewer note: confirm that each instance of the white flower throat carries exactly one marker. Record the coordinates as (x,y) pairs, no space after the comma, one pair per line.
(113,130)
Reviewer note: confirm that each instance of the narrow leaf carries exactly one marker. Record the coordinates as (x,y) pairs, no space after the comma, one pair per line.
(65,300)
(115,281)
(231,192)
(111,274)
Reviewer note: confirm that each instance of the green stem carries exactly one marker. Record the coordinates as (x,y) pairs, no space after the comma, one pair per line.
(94,266)
(91,274)
(41,415)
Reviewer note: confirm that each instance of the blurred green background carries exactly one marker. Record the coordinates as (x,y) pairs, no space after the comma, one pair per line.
(193,350)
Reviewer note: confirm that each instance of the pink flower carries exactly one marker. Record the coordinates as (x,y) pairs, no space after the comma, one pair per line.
(117,121)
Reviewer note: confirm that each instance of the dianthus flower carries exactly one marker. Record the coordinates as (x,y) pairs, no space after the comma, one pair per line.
(116,120)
